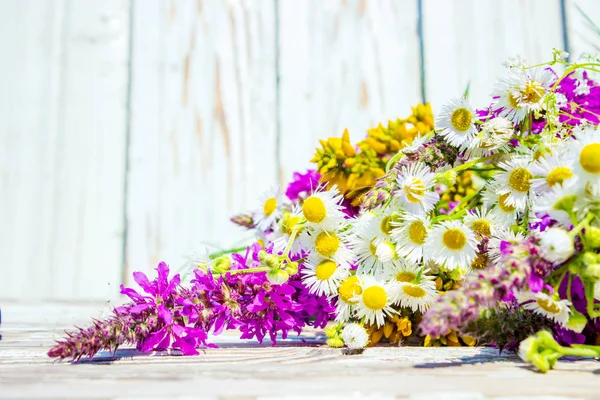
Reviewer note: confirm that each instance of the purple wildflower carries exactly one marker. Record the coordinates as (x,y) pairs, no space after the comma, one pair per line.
(302,185)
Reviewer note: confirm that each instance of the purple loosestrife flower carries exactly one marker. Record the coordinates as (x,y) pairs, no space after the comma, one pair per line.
(302,185)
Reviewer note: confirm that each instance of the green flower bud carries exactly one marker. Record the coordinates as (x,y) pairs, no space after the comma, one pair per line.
(221,264)
(589,258)
(335,342)
(577,322)
(593,271)
(592,237)
(277,276)
(291,268)
(447,178)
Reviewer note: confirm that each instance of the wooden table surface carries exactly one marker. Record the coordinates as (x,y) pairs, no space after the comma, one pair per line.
(302,367)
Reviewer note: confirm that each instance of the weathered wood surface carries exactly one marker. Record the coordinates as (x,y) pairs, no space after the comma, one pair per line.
(240,370)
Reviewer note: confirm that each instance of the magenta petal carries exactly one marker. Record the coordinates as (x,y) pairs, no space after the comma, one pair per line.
(155,338)
(142,280)
(165,314)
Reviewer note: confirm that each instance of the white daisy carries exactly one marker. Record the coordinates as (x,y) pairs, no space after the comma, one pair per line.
(410,236)
(374,301)
(406,272)
(322,209)
(355,336)
(494,136)
(586,153)
(370,241)
(504,213)
(551,170)
(269,211)
(327,244)
(347,291)
(289,223)
(559,201)
(502,235)
(415,188)
(521,92)
(516,181)
(323,276)
(456,121)
(451,243)
(417,296)
(557,245)
(541,303)
(482,221)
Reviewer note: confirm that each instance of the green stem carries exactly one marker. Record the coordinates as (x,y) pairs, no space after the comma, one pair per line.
(581,225)
(591,351)
(244,271)
(218,254)
(470,164)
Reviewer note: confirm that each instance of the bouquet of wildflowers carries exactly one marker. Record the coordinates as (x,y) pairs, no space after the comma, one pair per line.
(483,227)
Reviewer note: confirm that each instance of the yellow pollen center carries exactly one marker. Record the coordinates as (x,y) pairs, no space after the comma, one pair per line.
(589,158)
(461,119)
(482,226)
(548,305)
(417,232)
(503,205)
(480,262)
(270,206)
(558,176)
(405,276)
(374,298)
(415,191)
(325,270)
(291,224)
(350,288)
(414,291)
(385,225)
(314,209)
(513,101)
(532,93)
(519,179)
(327,244)
(454,239)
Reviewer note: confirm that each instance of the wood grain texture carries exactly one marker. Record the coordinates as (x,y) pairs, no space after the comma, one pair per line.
(202,124)
(466,41)
(301,367)
(62,155)
(582,37)
(343,64)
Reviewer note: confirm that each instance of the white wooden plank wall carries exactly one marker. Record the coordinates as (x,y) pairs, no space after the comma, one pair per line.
(132,129)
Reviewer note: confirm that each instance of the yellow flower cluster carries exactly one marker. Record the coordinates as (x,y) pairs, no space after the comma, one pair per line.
(451,339)
(354,169)
(395,329)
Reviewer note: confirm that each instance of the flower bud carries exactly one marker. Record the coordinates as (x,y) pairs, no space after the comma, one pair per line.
(593,271)
(335,342)
(291,268)
(592,237)
(221,264)
(577,322)
(277,276)
(447,178)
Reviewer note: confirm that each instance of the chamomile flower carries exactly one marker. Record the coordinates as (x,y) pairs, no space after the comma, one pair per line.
(505,214)
(482,222)
(371,243)
(451,243)
(415,188)
(327,244)
(269,211)
(374,301)
(557,245)
(403,272)
(456,122)
(290,223)
(586,153)
(417,296)
(322,209)
(495,243)
(355,336)
(323,276)
(515,181)
(540,303)
(410,236)
(348,290)
(493,137)
(551,170)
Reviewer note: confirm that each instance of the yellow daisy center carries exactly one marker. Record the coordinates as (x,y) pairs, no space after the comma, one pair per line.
(405,276)
(548,305)
(558,176)
(374,297)
(589,158)
(349,288)
(327,244)
(417,232)
(454,239)
(504,206)
(532,93)
(461,119)
(415,291)
(513,101)
(519,180)
(314,209)
(270,206)
(291,223)
(385,225)
(325,270)
(482,226)
(416,188)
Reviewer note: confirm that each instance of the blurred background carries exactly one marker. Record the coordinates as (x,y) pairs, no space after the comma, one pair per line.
(131,130)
